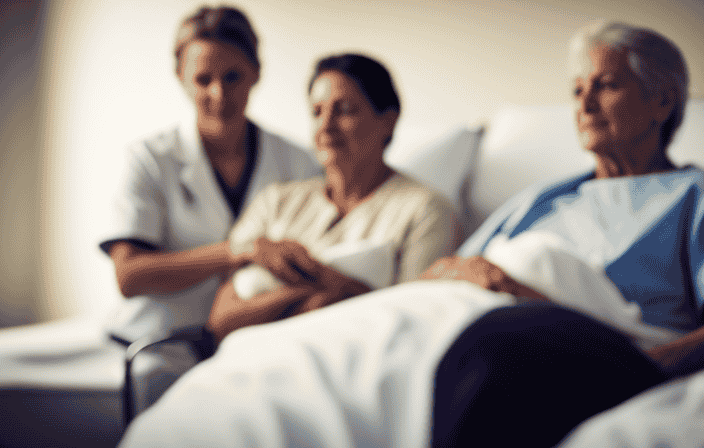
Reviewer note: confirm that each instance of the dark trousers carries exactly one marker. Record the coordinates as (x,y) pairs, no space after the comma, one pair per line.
(526,375)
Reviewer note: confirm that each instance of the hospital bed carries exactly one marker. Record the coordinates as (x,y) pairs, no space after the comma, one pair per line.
(71,393)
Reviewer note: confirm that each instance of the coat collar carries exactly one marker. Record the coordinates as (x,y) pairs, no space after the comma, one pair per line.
(190,150)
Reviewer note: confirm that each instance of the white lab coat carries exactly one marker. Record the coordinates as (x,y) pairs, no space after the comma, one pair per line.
(169,197)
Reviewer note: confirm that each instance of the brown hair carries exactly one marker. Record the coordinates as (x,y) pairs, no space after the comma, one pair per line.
(224,24)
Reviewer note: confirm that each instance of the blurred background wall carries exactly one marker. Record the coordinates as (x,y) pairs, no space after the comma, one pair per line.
(21,154)
(81,78)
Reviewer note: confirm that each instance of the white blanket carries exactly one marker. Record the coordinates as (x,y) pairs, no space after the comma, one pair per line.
(546,263)
(355,374)
(671,415)
(360,373)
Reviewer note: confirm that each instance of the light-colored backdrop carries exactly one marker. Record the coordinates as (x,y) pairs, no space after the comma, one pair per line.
(102,75)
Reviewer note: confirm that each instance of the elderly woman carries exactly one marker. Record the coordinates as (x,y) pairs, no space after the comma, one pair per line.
(185,186)
(571,298)
(288,227)
(636,217)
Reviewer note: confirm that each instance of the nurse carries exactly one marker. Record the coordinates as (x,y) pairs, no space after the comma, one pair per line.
(184,187)
(181,191)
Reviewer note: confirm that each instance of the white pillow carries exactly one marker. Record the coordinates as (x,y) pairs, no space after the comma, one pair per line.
(442,163)
(524,145)
(686,147)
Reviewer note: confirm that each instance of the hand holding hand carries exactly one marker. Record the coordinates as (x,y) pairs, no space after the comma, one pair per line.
(287,260)
(331,287)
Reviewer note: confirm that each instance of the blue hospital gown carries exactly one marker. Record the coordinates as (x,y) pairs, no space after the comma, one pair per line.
(645,231)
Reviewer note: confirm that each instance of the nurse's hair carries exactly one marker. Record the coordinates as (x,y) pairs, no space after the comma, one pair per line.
(656,61)
(372,78)
(225,25)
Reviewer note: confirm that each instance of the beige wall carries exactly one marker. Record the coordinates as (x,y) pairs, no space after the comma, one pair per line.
(107,78)
(20,157)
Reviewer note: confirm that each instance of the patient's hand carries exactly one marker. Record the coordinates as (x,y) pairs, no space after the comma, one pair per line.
(479,271)
(327,286)
(669,355)
(286,259)
(331,286)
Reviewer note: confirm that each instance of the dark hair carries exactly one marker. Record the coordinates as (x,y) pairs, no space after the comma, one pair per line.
(224,24)
(370,76)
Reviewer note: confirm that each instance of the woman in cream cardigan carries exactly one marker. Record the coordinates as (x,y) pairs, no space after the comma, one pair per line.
(360,200)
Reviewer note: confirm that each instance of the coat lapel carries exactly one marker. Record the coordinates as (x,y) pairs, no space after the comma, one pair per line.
(199,186)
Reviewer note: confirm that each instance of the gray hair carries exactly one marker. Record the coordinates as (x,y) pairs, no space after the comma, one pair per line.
(656,61)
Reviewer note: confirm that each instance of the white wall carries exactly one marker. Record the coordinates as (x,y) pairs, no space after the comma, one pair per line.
(108,78)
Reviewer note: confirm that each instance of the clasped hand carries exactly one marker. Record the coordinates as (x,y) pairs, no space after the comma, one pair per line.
(291,263)
(308,285)
(287,260)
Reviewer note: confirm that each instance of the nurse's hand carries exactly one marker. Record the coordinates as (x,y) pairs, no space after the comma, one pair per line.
(481,272)
(286,259)
(142,271)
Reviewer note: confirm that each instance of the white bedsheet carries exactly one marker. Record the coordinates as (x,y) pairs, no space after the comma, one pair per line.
(671,415)
(355,374)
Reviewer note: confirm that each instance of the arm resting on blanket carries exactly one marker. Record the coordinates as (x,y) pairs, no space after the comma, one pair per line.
(668,355)
(480,272)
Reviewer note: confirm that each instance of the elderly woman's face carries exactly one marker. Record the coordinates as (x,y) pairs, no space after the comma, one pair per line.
(612,111)
(218,78)
(347,129)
